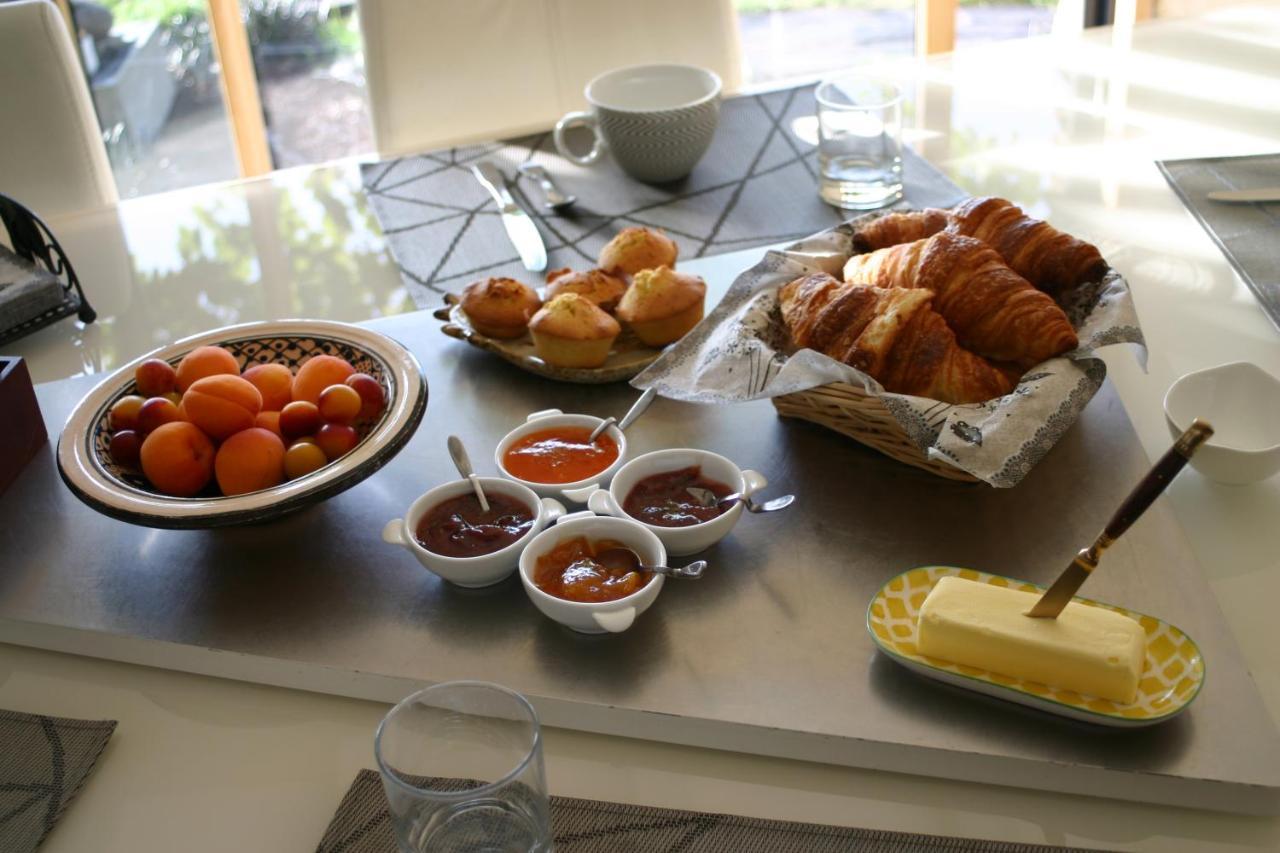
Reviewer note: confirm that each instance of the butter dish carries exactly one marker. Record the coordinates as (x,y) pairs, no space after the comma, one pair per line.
(1172,677)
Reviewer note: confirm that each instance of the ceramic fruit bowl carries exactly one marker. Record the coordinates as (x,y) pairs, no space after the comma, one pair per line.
(88,470)
(1242,401)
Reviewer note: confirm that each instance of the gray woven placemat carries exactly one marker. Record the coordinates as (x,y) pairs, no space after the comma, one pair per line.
(755,186)
(1248,234)
(44,761)
(363,825)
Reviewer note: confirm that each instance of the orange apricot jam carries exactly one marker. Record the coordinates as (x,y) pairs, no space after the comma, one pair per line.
(559,455)
(570,571)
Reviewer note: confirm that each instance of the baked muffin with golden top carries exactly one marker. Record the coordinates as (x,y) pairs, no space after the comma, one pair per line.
(499,307)
(597,285)
(572,331)
(662,305)
(635,249)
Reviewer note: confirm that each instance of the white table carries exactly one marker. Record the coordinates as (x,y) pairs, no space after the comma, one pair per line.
(1070,129)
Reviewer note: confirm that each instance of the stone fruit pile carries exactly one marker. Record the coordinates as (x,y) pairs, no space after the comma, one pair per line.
(206,422)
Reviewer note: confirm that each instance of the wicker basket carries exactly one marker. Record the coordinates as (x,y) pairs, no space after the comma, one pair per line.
(852,411)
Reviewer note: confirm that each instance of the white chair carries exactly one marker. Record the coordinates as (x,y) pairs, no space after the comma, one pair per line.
(52,158)
(446,73)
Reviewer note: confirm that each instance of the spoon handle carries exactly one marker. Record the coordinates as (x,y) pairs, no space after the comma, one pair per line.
(637,408)
(463,463)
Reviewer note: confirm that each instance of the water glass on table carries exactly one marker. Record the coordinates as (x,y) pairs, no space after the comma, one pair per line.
(465,728)
(859,142)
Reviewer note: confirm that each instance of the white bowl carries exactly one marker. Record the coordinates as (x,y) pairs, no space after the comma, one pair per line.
(680,541)
(594,617)
(1242,402)
(483,570)
(579,490)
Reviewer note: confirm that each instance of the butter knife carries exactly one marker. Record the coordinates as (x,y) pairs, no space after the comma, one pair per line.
(520,228)
(1056,597)
(1257,195)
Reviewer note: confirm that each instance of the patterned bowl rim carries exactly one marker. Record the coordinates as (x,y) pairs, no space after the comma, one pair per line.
(83,473)
(1017,694)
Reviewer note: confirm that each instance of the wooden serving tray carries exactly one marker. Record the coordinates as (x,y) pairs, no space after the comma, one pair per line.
(628,357)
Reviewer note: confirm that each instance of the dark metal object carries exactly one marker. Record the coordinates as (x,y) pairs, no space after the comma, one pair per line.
(706,497)
(1057,596)
(32,241)
(626,560)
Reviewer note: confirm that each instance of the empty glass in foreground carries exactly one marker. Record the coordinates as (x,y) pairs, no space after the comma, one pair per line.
(468,729)
(859,142)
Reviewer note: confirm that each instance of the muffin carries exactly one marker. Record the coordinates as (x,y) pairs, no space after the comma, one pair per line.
(635,249)
(597,285)
(572,331)
(499,307)
(662,305)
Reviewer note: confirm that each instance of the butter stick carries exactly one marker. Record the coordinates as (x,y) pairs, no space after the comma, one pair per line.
(1086,649)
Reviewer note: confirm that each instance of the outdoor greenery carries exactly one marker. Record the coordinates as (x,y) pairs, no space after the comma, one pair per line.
(304,22)
(758,6)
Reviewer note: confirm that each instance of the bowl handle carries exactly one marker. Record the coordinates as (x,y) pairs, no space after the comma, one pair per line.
(553,508)
(393,533)
(574,516)
(616,621)
(545,413)
(580,496)
(601,503)
(752,482)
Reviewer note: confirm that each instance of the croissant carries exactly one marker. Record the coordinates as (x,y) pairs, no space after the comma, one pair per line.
(895,228)
(994,311)
(893,335)
(1050,259)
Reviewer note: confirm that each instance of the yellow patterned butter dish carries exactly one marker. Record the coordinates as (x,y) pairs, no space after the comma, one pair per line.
(1172,676)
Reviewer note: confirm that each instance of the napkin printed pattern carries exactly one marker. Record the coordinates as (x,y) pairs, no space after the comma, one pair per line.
(44,761)
(740,352)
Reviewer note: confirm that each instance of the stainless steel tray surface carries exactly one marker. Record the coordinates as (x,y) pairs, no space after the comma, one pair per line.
(767,654)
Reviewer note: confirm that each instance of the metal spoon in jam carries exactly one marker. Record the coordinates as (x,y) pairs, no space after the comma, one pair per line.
(708,498)
(626,560)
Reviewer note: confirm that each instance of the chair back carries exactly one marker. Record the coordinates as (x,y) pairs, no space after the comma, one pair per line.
(52,158)
(446,73)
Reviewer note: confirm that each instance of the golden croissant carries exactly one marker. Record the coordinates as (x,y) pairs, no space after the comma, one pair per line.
(894,228)
(1050,259)
(994,311)
(891,334)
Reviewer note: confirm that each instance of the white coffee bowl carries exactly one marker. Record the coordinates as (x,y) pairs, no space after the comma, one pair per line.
(486,569)
(1242,402)
(594,617)
(680,541)
(579,490)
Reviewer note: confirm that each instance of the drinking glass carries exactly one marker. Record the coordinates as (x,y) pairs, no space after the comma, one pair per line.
(859,142)
(472,729)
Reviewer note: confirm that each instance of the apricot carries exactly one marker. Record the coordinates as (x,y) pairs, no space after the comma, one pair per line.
(371,394)
(155,377)
(177,459)
(125,447)
(205,361)
(250,460)
(157,412)
(274,382)
(299,418)
(269,421)
(336,439)
(222,405)
(318,373)
(302,458)
(124,412)
(339,404)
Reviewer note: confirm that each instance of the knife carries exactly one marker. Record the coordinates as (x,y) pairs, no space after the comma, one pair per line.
(1261,194)
(1144,494)
(520,228)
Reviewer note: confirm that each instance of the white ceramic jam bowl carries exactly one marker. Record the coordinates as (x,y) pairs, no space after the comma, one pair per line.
(680,541)
(482,570)
(579,490)
(594,617)
(1242,402)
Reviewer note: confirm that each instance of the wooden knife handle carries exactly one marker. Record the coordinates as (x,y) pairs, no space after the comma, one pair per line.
(1159,477)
